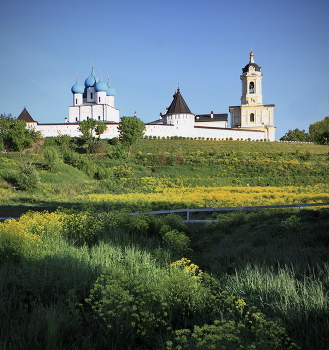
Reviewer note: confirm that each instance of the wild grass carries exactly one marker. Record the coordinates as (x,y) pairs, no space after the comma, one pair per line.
(89,276)
(57,294)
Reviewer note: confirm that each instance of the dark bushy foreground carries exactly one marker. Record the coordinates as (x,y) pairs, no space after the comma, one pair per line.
(81,280)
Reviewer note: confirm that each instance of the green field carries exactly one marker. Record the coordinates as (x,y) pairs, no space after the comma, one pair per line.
(77,272)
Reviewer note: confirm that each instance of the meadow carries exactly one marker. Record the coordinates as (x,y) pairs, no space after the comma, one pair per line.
(77,272)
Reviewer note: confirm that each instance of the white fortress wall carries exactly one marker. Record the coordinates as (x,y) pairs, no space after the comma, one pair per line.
(53,130)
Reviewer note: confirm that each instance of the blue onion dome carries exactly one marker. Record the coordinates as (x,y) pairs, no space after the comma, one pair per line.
(100,85)
(91,80)
(77,88)
(110,90)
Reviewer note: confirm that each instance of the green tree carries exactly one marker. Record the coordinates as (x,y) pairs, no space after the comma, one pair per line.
(90,126)
(15,136)
(87,127)
(100,129)
(319,131)
(296,135)
(131,129)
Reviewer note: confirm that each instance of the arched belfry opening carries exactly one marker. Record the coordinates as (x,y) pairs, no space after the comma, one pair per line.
(251,87)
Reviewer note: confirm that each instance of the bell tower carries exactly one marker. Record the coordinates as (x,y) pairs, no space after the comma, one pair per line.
(252,114)
(251,79)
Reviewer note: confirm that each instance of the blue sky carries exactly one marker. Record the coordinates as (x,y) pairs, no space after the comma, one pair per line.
(149,47)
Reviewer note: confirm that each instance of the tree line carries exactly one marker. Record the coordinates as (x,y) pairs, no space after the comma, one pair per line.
(318,133)
(16,137)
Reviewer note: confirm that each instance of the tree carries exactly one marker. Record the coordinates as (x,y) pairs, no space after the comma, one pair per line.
(296,135)
(319,131)
(131,129)
(87,127)
(100,129)
(90,126)
(14,136)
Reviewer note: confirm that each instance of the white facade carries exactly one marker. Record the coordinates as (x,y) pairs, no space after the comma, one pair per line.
(94,99)
(158,130)
(251,120)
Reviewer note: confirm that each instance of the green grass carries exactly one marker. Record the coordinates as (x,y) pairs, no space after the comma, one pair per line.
(275,260)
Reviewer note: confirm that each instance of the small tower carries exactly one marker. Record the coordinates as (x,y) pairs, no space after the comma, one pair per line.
(252,114)
(179,115)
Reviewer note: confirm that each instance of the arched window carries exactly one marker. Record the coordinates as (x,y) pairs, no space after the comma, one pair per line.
(99,99)
(251,87)
(252,118)
(91,95)
(99,117)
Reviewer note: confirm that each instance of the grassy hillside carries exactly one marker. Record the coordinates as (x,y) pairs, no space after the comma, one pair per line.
(89,276)
(170,174)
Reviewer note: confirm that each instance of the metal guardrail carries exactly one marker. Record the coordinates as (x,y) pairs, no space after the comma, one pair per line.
(188,210)
(199,210)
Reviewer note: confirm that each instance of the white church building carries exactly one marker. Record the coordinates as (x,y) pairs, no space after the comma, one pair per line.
(95,99)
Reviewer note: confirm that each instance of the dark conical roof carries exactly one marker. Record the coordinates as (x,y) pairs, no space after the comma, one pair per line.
(25,115)
(178,105)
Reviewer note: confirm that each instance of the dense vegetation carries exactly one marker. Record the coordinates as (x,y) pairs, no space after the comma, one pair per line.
(77,272)
(14,136)
(318,133)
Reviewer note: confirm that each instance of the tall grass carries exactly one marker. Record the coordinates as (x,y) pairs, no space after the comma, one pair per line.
(119,290)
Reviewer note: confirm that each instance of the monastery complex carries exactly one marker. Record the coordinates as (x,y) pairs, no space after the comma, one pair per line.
(95,99)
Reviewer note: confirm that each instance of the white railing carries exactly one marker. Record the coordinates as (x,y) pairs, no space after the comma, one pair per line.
(188,210)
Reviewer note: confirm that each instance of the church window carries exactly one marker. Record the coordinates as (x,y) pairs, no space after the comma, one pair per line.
(251,87)
(76,101)
(99,117)
(91,95)
(252,117)
(76,119)
(99,99)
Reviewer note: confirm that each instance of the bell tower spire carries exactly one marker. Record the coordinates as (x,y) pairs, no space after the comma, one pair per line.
(251,79)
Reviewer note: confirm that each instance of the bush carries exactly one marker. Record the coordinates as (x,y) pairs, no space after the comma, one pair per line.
(178,243)
(28,178)
(102,173)
(96,146)
(64,141)
(83,228)
(114,141)
(16,242)
(51,158)
(79,161)
(118,152)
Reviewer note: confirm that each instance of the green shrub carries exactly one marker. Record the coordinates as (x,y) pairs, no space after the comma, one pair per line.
(51,159)
(118,152)
(83,228)
(291,224)
(64,141)
(96,146)
(178,243)
(79,161)
(27,178)
(103,173)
